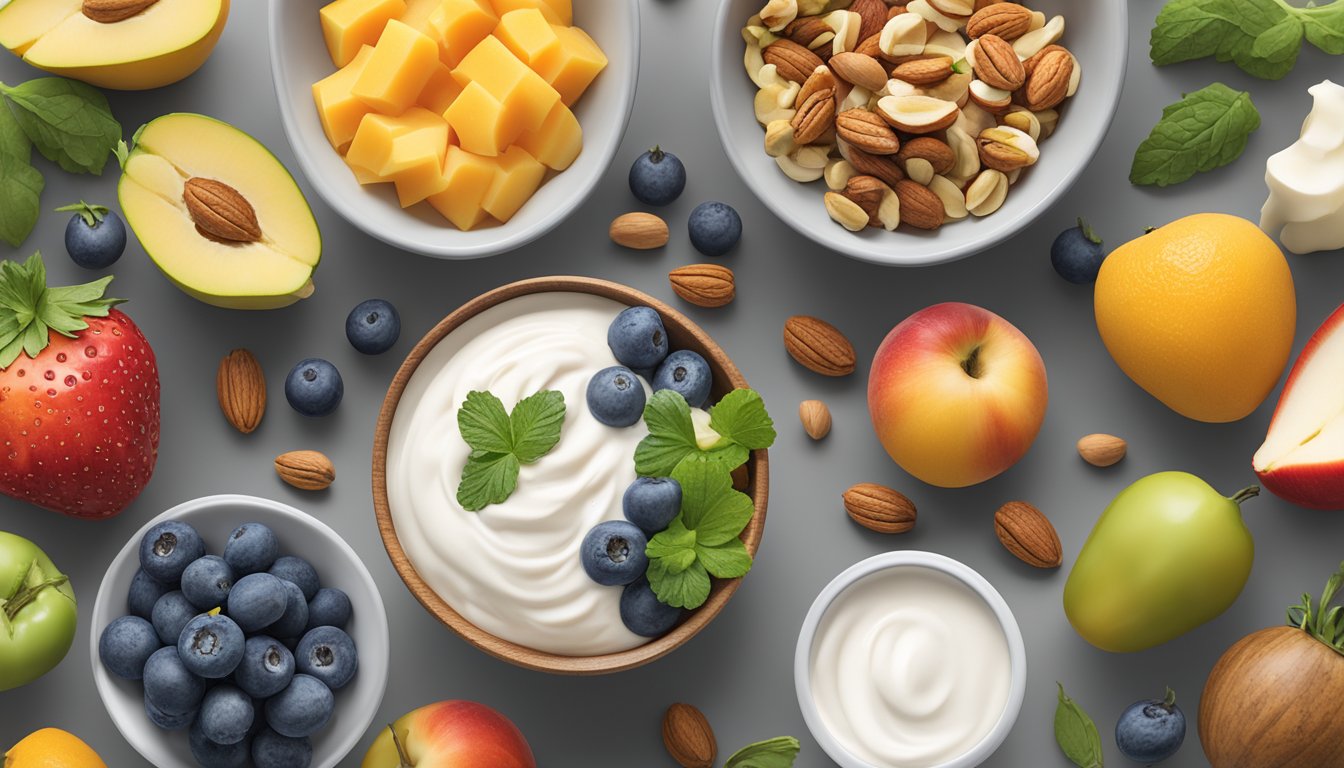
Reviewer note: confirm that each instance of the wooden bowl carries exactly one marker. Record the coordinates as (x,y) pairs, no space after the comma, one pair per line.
(682,334)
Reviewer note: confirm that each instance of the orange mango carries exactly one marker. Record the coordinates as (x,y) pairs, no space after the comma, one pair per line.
(555,11)
(518,177)
(349,25)
(557,143)
(467,178)
(458,25)
(401,64)
(527,34)
(337,108)
(574,66)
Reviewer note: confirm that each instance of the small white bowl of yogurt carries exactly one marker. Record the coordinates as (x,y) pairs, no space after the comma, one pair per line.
(910,660)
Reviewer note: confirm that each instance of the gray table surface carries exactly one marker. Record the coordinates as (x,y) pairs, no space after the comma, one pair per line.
(739,670)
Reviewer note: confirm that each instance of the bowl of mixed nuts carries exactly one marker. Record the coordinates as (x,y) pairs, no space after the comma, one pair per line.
(914,132)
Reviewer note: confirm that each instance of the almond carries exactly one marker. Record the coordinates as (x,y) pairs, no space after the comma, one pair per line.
(1048,83)
(688,738)
(996,63)
(1007,20)
(867,131)
(846,212)
(806,29)
(305,470)
(815,116)
(874,16)
(938,154)
(704,285)
(641,231)
(868,192)
(917,114)
(791,60)
(1028,534)
(1102,450)
(879,508)
(924,71)
(1006,149)
(816,418)
(818,346)
(220,212)
(241,387)
(920,207)
(870,46)
(881,166)
(1029,65)
(859,70)
(820,80)
(112,11)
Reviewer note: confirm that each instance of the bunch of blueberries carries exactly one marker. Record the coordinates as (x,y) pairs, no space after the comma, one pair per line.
(245,649)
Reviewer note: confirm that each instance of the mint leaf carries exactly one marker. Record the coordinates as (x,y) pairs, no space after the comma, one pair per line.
(1229,31)
(1076,734)
(1206,129)
(20,183)
(741,417)
(487,479)
(686,589)
(501,443)
(778,752)
(1324,26)
(671,435)
(484,423)
(69,122)
(709,505)
(673,542)
(728,560)
(535,423)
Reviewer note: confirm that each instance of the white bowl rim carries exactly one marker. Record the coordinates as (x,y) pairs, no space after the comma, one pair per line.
(348,740)
(931,252)
(1017,653)
(447,250)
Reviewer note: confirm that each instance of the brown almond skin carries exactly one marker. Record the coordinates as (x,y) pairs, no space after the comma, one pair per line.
(240,386)
(814,117)
(1048,83)
(220,212)
(1028,535)
(818,346)
(816,418)
(112,11)
(1007,20)
(793,61)
(688,738)
(881,166)
(997,64)
(879,508)
(638,230)
(1101,450)
(704,285)
(305,470)
(867,131)
(921,207)
(936,151)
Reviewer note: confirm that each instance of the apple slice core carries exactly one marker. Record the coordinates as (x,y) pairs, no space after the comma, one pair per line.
(1308,426)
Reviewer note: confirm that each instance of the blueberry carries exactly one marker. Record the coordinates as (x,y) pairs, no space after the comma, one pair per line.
(126,644)
(1077,254)
(294,620)
(166,721)
(266,668)
(373,326)
(271,750)
(637,338)
(208,754)
(657,177)
(642,612)
(651,503)
(714,228)
(257,601)
(95,237)
(145,591)
(1150,731)
(226,714)
(207,581)
(686,373)
(314,387)
(169,686)
(251,548)
(211,646)
(328,654)
(613,553)
(168,548)
(170,616)
(298,571)
(616,396)
(329,608)
(302,709)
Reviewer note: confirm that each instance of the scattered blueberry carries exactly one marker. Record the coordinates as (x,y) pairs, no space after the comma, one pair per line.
(637,338)
(166,721)
(651,503)
(616,396)
(298,571)
(266,668)
(226,714)
(1152,730)
(169,686)
(170,616)
(686,373)
(208,754)
(314,387)
(715,228)
(302,709)
(328,654)
(657,177)
(168,548)
(257,601)
(642,612)
(251,548)
(95,237)
(373,326)
(126,644)
(271,750)
(207,581)
(295,618)
(329,608)
(613,553)
(1077,254)
(211,646)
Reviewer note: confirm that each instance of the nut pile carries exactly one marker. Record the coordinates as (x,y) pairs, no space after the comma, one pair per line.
(914,112)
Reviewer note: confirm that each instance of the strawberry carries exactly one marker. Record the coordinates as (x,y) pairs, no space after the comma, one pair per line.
(79,396)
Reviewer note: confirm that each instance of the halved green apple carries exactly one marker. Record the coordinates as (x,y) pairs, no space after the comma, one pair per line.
(219,214)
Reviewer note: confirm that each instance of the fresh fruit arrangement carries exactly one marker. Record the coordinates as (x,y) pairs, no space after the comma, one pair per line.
(917,114)
(467,107)
(450,734)
(246,648)
(38,612)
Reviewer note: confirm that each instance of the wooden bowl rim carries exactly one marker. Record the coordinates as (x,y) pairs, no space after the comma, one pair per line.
(722,590)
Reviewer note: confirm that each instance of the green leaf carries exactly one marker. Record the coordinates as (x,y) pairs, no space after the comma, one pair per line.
(671,435)
(1205,130)
(20,183)
(741,417)
(501,443)
(1324,26)
(91,214)
(487,479)
(709,505)
(779,752)
(484,423)
(535,424)
(672,542)
(28,308)
(729,560)
(687,589)
(1076,733)
(69,122)
(1229,31)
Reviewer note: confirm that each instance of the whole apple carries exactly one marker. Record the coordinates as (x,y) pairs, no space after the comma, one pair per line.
(956,394)
(37,612)
(451,734)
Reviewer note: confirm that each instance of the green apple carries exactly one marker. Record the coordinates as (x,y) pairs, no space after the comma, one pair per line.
(37,612)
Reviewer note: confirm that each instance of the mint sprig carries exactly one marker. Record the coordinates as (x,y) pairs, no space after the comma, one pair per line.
(1076,734)
(29,309)
(1206,129)
(501,442)
(69,122)
(740,419)
(779,752)
(702,541)
(1263,37)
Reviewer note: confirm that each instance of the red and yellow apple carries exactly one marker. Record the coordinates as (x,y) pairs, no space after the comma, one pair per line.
(956,394)
(451,734)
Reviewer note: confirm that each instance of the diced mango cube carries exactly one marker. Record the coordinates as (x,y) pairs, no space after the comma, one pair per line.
(441,90)
(337,108)
(348,25)
(419,177)
(575,65)
(517,179)
(402,62)
(557,143)
(479,121)
(365,176)
(526,97)
(418,12)
(459,25)
(381,138)
(467,177)
(528,35)
(555,11)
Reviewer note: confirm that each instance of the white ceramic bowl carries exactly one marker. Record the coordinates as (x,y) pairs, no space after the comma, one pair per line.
(302,535)
(299,58)
(1096,33)
(1017,654)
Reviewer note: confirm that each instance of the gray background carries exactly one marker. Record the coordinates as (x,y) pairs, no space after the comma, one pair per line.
(739,670)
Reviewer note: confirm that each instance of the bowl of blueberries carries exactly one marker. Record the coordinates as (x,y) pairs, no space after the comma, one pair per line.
(237,631)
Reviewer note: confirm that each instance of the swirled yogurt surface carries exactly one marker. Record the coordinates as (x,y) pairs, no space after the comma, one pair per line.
(910,668)
(513,569)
